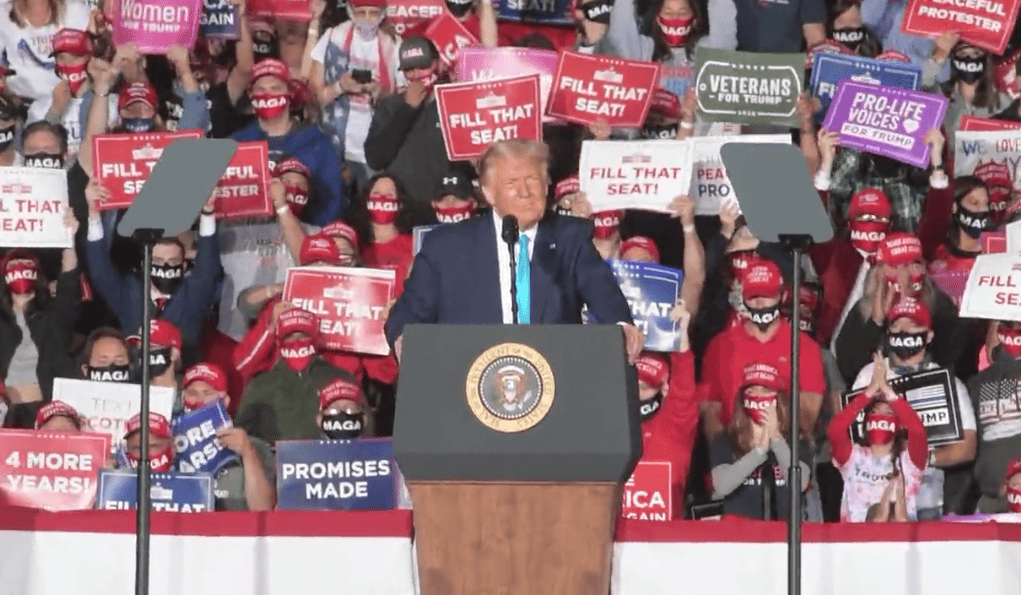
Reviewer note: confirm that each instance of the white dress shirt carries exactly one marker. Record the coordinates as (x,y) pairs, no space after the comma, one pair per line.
(503,258)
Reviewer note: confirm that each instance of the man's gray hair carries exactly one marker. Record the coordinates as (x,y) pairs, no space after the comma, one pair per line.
(515,148)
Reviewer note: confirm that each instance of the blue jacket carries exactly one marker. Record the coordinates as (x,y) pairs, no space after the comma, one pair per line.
(187,308)
(327,201)
(455,277)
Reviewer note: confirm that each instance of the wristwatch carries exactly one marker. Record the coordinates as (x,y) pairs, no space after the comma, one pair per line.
(932,458)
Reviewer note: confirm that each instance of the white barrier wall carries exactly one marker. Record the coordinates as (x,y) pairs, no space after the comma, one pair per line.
(308,553)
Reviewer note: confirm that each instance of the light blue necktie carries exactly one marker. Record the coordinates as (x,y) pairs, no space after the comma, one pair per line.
(523,281)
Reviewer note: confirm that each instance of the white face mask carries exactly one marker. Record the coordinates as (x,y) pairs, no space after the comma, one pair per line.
(365,27)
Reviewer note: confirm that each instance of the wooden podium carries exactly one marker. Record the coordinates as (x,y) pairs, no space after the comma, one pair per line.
(511,494)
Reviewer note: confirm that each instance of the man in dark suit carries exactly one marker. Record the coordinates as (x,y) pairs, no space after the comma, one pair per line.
(462,273)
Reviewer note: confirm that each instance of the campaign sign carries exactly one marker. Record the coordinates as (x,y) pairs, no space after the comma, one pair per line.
(985,24)
(588,89)
(450,37)
(156,25)
(170,492)
(32,206)
(123,162)
(749,88)
(972,149)
(196,448)
(219,20)
(349,303)
(933,396)
(828,70)
(485,64)
(50,470)
(291,10)
(977,124)
(885,121)
(993,291)
(243,191)
(474,115)
(418,236)
(409,14)
(107,406)
(550,12)
(994,242)
(710,183)
(651,291)
(645,175)
(336,475)
(648,493)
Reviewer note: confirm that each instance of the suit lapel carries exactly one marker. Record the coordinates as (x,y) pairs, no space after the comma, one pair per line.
(486,271)
(543,268)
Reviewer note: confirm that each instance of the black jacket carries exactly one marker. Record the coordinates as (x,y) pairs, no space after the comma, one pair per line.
(51,327)
(408,143)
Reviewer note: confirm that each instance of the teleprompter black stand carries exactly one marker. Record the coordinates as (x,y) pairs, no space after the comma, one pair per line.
(167,204)
(780,204)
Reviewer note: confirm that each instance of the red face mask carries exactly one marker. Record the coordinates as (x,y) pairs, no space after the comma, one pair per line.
(454,214)
(675,29)
(382,208)
(1014,499)
(158,463)
(1010,341)
(269,105)
(880,428)
(296,199)
(298,353)
(606,224)
(74,75)
(867,235)
(21,278)
(428,79)
(755,405)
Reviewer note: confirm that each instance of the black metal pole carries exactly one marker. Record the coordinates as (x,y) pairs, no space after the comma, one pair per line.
(147,238)
(794,474)
(798,245)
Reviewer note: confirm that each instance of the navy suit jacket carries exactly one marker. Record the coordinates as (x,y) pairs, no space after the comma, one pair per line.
(456,279)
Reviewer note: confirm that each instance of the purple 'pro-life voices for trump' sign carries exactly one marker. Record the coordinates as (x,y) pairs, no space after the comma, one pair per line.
(156,25)
(885,121)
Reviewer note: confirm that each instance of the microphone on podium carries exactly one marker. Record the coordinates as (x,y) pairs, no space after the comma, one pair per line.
(510,235)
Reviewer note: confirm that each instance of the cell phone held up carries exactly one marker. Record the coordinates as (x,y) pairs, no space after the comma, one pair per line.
(361,76)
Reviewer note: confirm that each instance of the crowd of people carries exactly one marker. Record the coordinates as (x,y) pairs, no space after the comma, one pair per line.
(348,110)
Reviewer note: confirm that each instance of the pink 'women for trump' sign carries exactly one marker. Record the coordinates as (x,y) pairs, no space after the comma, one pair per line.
(885,121)
(155,25)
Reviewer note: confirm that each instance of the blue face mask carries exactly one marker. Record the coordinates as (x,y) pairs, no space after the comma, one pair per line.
(138,124)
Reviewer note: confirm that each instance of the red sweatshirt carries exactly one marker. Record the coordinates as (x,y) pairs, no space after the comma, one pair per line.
(257,352)
(395,254)
(840,437)
(670,435)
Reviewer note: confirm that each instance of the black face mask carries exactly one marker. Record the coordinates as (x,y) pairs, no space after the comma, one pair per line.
(562,211)
(458,9)
(159,361)
(265,46)
(648,409)
(342,426)
(968,70)
(905,345)
(807,325)
(6,138)
(46,160)
(972,223)
(666,132)
(167,278)
(598,11)
(763,317)
(852,37)
(109,373)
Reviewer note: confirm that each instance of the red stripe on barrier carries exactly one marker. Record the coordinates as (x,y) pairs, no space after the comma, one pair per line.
(280,523)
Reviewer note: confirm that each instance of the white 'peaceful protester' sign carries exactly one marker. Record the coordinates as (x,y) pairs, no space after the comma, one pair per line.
(646,175)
